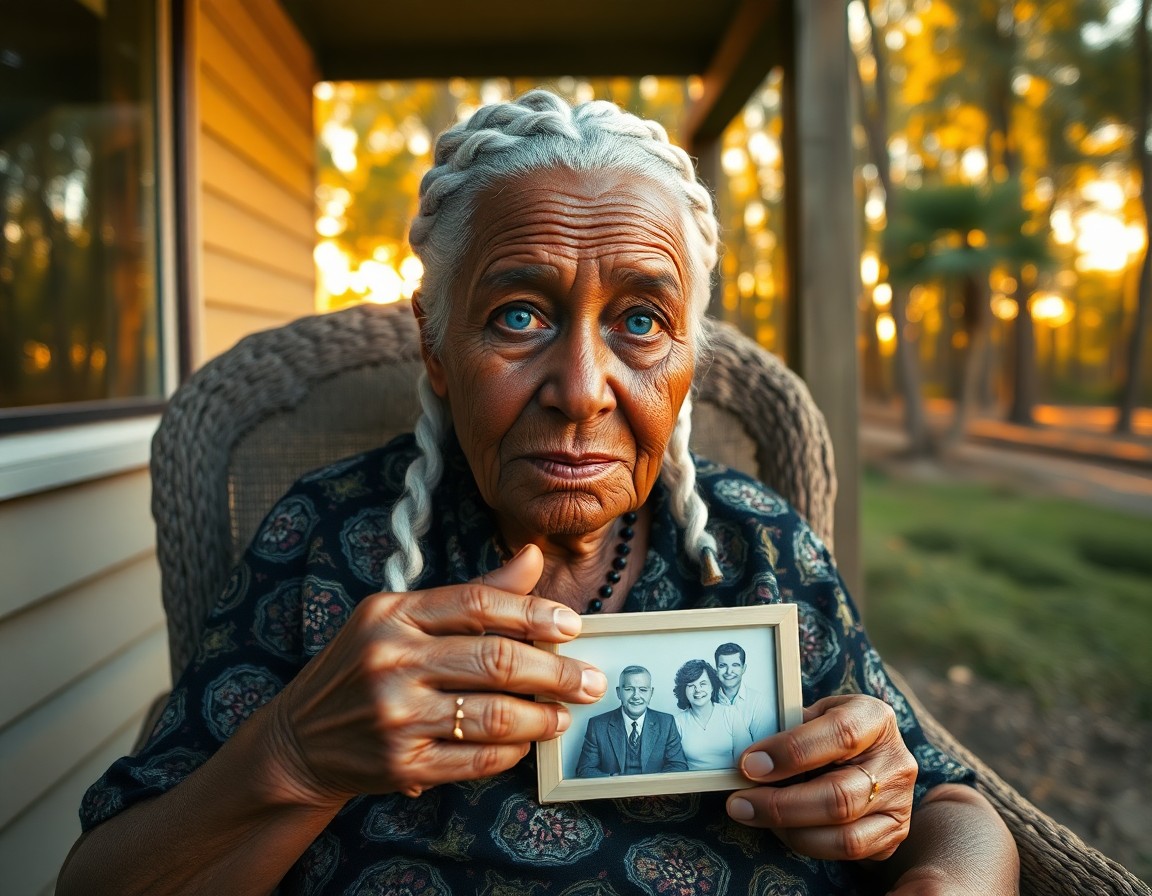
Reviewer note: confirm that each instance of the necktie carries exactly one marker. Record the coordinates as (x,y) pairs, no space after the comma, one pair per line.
(634,737)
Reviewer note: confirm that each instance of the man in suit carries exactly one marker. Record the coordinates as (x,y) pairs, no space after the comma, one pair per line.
(632,739)
(755,710)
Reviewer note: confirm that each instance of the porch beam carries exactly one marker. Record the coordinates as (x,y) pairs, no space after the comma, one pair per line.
(749,48)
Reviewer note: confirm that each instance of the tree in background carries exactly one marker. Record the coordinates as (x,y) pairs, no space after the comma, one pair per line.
(1142,156)
(960,234)
(875,111)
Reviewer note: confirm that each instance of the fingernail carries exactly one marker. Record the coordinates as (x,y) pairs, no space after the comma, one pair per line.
(740,810)
(758,765)
(594,683)
(563,719)
(567,621)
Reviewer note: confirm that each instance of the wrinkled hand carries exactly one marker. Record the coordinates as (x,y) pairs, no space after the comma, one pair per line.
(829,814)
(374,711)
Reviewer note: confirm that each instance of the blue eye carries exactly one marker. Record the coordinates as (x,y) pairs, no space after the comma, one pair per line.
(639,324)
(517,318)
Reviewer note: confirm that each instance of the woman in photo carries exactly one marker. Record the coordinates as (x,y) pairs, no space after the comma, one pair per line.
(711,732)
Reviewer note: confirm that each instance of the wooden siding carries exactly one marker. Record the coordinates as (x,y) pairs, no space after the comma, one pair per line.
(82,632)
(254,167)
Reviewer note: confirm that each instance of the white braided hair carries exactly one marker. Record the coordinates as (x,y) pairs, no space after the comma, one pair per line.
(539,131)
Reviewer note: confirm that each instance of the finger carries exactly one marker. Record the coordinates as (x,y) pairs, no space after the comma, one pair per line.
(500,719)
(520,574)
(836,729)
(872,837)
(444,762)
(837,797)
(477,608)
(497,663)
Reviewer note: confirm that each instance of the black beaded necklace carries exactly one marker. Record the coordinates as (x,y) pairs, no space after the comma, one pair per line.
(619,563)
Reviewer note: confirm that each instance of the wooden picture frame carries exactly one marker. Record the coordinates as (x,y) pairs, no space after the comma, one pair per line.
(580,765)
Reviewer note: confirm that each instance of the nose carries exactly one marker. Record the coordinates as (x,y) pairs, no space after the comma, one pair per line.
(579,379)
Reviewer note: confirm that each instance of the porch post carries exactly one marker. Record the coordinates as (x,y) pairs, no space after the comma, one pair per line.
(823,252)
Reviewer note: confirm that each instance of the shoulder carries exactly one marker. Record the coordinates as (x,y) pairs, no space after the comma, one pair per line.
(760,537)
(382,468)
(358,491)
(373,478)
(661,717)
(603,718)
(729,492)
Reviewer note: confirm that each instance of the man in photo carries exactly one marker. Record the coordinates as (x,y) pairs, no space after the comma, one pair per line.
(631,739)
(754,707)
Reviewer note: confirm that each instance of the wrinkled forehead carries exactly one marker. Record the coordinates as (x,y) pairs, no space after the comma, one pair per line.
(588,213)
(636,680)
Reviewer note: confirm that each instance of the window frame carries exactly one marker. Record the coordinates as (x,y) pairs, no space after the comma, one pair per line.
(49,446)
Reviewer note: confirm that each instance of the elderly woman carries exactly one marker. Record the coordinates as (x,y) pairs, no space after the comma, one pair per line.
(712,734)
(351,722)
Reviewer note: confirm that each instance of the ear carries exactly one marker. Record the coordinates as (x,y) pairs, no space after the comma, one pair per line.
(437,377)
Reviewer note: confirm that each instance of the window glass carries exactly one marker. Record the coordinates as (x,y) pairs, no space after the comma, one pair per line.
(78,283)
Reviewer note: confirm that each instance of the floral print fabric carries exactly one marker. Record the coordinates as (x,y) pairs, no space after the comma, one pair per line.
(321,550)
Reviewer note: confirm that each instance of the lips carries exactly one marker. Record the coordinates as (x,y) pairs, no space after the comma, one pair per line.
(562,465)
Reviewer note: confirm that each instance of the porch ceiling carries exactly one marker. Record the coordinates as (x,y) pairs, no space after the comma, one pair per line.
(731,43)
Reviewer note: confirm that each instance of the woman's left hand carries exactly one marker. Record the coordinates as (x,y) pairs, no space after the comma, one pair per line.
(858,802)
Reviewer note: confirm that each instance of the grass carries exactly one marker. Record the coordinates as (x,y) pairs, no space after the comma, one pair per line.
(1046,594)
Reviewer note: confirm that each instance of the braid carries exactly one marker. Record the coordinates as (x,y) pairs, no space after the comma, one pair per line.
(688,508)
(540,131)
(412,514)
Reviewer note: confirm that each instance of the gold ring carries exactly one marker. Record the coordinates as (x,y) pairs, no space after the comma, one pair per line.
(871,778)
(456,732)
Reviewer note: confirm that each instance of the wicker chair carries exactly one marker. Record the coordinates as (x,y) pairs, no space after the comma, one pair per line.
(287,400)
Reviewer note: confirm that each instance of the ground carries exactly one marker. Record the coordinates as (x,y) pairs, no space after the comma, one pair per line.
(1090,772)
(1086,767)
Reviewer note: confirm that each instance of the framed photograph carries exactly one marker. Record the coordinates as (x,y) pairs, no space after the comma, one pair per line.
(688,692)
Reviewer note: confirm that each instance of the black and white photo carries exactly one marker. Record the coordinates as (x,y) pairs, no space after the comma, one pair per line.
(690,691)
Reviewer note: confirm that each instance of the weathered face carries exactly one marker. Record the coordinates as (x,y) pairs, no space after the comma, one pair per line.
(730,670)
(568,350)
(635,693)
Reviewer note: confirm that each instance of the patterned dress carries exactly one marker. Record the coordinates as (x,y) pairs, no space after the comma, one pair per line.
(322,549)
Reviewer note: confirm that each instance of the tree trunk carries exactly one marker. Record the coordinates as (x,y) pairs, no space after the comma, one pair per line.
(875,121)
(1023,368)
(1024,381)
(975,356)
(920,442)
(1130,396)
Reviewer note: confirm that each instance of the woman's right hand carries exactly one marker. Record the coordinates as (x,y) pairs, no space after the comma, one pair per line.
(374,712)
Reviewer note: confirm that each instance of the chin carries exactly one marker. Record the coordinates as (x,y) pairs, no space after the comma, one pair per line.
(566,514)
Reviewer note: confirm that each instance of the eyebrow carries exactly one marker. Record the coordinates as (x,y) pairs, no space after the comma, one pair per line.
(527,275)
(640,281)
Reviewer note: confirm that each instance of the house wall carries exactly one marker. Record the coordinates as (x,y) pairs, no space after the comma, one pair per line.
(83,646)
(255,161)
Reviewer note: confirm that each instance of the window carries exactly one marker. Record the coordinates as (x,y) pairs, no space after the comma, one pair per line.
(79,296)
